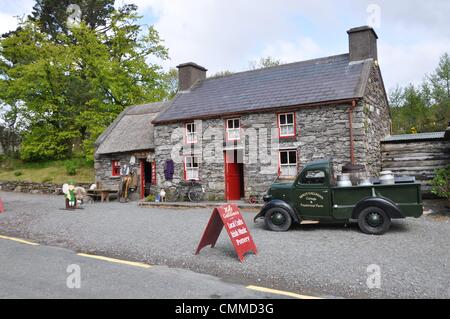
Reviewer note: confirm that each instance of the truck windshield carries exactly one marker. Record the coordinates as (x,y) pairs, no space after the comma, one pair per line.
(313,177)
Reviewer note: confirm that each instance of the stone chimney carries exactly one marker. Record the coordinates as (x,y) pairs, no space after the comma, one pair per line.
(362,43)
(188,74)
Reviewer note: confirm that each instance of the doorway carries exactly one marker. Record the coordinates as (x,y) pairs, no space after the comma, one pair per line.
(146,178)
(234,174)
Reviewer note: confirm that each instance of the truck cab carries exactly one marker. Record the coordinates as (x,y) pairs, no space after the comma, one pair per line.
(314,196)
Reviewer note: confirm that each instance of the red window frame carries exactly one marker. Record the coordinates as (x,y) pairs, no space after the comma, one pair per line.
(227,129)
(279,125)
(115,165)
(185,168)
(186,134)
(279,161)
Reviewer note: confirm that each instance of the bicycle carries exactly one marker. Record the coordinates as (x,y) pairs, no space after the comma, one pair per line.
(254,199)
(192,189)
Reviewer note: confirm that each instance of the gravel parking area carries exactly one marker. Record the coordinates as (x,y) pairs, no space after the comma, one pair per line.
(320,260)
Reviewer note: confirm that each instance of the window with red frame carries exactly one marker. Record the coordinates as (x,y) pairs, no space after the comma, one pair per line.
(191,167)
(286,124)
(233,129)
(115,168)
(191,133)
(288,163)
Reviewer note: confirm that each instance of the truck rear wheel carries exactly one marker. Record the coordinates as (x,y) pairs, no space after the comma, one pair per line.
(374,221)
(278,219)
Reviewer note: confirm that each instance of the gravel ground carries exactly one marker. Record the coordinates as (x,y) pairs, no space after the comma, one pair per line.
(319,260)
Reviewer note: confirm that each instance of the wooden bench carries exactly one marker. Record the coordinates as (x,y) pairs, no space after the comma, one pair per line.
(103,194)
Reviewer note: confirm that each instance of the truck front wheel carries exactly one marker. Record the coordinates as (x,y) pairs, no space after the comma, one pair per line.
(374,221)
(278,219)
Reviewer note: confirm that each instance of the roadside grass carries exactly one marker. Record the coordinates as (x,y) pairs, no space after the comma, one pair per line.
(47,172)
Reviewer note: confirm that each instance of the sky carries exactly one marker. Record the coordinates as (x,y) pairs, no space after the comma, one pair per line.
(228,34)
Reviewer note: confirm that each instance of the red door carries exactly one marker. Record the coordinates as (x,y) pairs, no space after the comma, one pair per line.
(233,176)
(142,179)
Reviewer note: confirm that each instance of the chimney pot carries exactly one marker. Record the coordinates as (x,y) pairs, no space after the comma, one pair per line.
(362,43)
(188,74)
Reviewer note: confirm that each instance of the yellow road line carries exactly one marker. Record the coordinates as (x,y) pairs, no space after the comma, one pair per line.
(281,292)
(19,240)
(118,261)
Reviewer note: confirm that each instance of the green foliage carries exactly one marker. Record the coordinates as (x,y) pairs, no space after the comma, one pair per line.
(51,15)
(71,168)
(425,108)
(171,82)
(67,85)
(17,173)
(441,182)
(150,198)
(265,62)
(43,171)
(221,73)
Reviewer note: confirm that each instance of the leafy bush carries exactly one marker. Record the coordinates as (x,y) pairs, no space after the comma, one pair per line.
(17,173)
(441,183)
(150,198)
(71,167)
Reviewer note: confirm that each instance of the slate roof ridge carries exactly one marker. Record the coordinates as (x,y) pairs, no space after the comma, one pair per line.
(304,62)
(320,80)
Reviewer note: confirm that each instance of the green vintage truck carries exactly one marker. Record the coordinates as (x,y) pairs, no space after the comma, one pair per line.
(314,196)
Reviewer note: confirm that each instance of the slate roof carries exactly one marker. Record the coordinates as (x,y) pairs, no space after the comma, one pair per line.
(414,137)
(131,131)
(309,82)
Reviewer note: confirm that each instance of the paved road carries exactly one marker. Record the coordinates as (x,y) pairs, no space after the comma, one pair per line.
(45,272)
(319,260)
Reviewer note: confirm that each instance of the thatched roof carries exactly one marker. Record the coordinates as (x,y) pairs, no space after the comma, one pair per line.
(131,131)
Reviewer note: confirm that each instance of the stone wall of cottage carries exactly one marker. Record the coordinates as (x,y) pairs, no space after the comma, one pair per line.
(320,132)
(377,120)
(35,188)
(103,170)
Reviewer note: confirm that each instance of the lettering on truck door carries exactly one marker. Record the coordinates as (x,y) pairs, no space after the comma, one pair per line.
(312,194)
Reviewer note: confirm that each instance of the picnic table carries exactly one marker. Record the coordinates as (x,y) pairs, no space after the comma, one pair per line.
(102,193)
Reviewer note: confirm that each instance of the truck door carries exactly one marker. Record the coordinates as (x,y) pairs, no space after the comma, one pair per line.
(312,194)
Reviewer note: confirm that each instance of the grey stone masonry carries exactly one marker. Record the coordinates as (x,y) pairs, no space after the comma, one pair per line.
(321,131)
(103,170)
(35,188)
(377,120)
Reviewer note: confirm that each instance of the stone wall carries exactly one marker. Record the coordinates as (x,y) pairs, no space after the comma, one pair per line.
(103,170)
(34,188)
(320,132)
(377,120)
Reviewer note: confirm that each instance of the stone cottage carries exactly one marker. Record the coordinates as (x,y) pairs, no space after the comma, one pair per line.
(129,141)
(237,133)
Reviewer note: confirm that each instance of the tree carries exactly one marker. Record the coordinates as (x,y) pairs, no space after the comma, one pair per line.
(265,62)
(52,15)
(221,73)
(439,82)
(171,82)
(73,87)
(426,108)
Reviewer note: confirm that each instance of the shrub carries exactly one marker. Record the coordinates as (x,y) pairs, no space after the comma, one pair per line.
(71,167)
(150,198)
(441,183)
(17,173)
